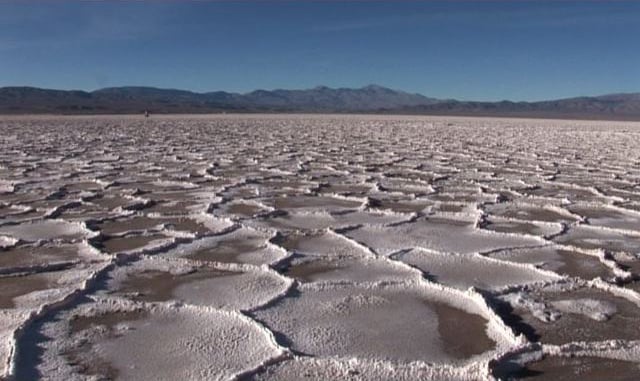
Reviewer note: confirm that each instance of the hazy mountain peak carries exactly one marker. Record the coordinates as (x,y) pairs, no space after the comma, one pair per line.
(376,87)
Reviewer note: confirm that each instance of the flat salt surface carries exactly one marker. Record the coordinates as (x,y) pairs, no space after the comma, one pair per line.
(188,347)
(359,369)
(436,234)
(464,271)
(609,217)
(241,246)
(347,269)
(44,230)
(348,321)
(288,247)
(590,237)
(188,343)
(584,315)
(562,261)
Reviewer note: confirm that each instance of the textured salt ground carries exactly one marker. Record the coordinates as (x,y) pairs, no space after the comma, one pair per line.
(401,206)
(579,309)
(592,238)
(461,197)
(529,212)
(140,223)
(172,208)
(243,245)
(86,211)
(110,202)
(160,286)
(634,286)
(8,210)
(608,217)
(347,269)
(28,214)
(579,368)
(32,291)
(45,230)
(231,250)
(434,233)
(561,261)
(130,243)
(453,207)
(321,244)
(323,220)
(12,287)
(112,227)
(525,177)
(346,189)
(313,203)
(204,286)
(318,369)
(242,209)
(464,271)
(521,227)
(188,225)
(27,256)
(560,192)
(81,357)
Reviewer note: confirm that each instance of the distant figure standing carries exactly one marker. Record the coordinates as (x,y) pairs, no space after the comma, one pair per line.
(146,113)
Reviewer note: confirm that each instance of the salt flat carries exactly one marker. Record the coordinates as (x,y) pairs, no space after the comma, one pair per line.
(288,247)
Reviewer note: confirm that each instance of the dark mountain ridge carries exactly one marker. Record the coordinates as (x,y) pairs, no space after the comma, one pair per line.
(368,99)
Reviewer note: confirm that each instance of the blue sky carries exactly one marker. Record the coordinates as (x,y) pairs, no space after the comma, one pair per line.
(482,50)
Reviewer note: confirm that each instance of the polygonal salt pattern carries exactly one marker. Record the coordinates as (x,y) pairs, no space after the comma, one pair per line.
(287,247)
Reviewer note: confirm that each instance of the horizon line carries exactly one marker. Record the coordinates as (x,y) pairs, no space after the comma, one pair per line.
(325,86)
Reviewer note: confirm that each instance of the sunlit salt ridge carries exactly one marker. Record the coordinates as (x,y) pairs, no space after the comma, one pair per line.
(333,247)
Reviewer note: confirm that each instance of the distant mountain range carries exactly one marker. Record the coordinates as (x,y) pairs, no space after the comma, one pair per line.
(368,99)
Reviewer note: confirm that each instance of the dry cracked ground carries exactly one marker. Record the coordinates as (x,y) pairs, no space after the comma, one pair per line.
(318,247)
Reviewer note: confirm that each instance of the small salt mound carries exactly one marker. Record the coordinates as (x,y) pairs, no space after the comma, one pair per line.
(598,310)
(6,242)
(6,187)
